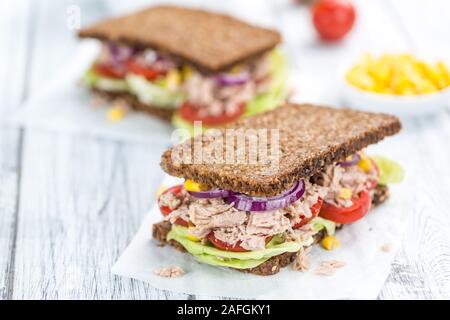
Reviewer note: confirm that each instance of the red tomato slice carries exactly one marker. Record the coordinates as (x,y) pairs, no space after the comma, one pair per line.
(166,210)
(190,113)
(226,247)
(109,71)
(359,209)
(333,19)
(314,212)
(148,72)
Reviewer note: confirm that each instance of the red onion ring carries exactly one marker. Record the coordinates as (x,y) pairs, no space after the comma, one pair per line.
(247,203)
(228,79)
(355,159)
(216,193)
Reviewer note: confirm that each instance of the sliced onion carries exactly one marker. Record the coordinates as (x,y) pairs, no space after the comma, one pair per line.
(228,79)
(353,162)
(216,193)
(247,203)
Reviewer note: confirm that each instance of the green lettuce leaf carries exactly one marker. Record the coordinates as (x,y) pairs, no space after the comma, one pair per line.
(390,171)
(207,253)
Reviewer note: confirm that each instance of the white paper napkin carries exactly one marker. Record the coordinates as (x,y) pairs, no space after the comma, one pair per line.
(367,264)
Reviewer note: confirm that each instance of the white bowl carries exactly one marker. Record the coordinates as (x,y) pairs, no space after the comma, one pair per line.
(402,106)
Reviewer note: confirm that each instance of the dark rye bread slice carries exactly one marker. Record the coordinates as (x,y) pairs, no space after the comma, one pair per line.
(135,104)
(210,41)
(274,264)
(310,138)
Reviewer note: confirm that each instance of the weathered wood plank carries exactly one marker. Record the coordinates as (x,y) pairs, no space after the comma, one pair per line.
(422,267)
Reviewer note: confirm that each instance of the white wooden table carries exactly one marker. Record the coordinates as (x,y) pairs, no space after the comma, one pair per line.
(69,205)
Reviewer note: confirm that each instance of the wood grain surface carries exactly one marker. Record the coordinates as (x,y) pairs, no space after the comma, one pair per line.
(69,205)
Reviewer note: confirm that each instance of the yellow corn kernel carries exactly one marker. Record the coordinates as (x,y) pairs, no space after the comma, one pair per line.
(345,193)
(116,114)
(330,243)
(444,75)
(365,165)
(359,78)
(190,185)
(191,236)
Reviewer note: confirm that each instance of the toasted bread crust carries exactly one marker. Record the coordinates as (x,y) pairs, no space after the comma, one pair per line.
(210,41)
(310,138)
(274,264)
(135,104)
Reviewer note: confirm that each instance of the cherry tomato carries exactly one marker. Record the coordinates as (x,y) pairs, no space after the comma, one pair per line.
(109,71)
(166,210)
(147,71)
(226,247)
(359,209)
(190,113)
(314,212)
(333,19)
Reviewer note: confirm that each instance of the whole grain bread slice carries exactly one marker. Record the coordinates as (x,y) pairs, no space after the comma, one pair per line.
(210,41)
(274,264)
(309,138)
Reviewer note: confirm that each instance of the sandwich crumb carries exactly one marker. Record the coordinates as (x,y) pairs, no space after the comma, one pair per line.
(328,268)
(169,272)
(302,262)
(386,247)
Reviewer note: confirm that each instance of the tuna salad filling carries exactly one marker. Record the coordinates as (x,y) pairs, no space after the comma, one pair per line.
(158,80)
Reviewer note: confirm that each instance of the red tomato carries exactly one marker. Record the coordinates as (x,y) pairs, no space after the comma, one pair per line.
(359,209)
(190,113)
(314,212)
(166,210)
(226,247)
(148,72)
(109,71)
(333,19)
